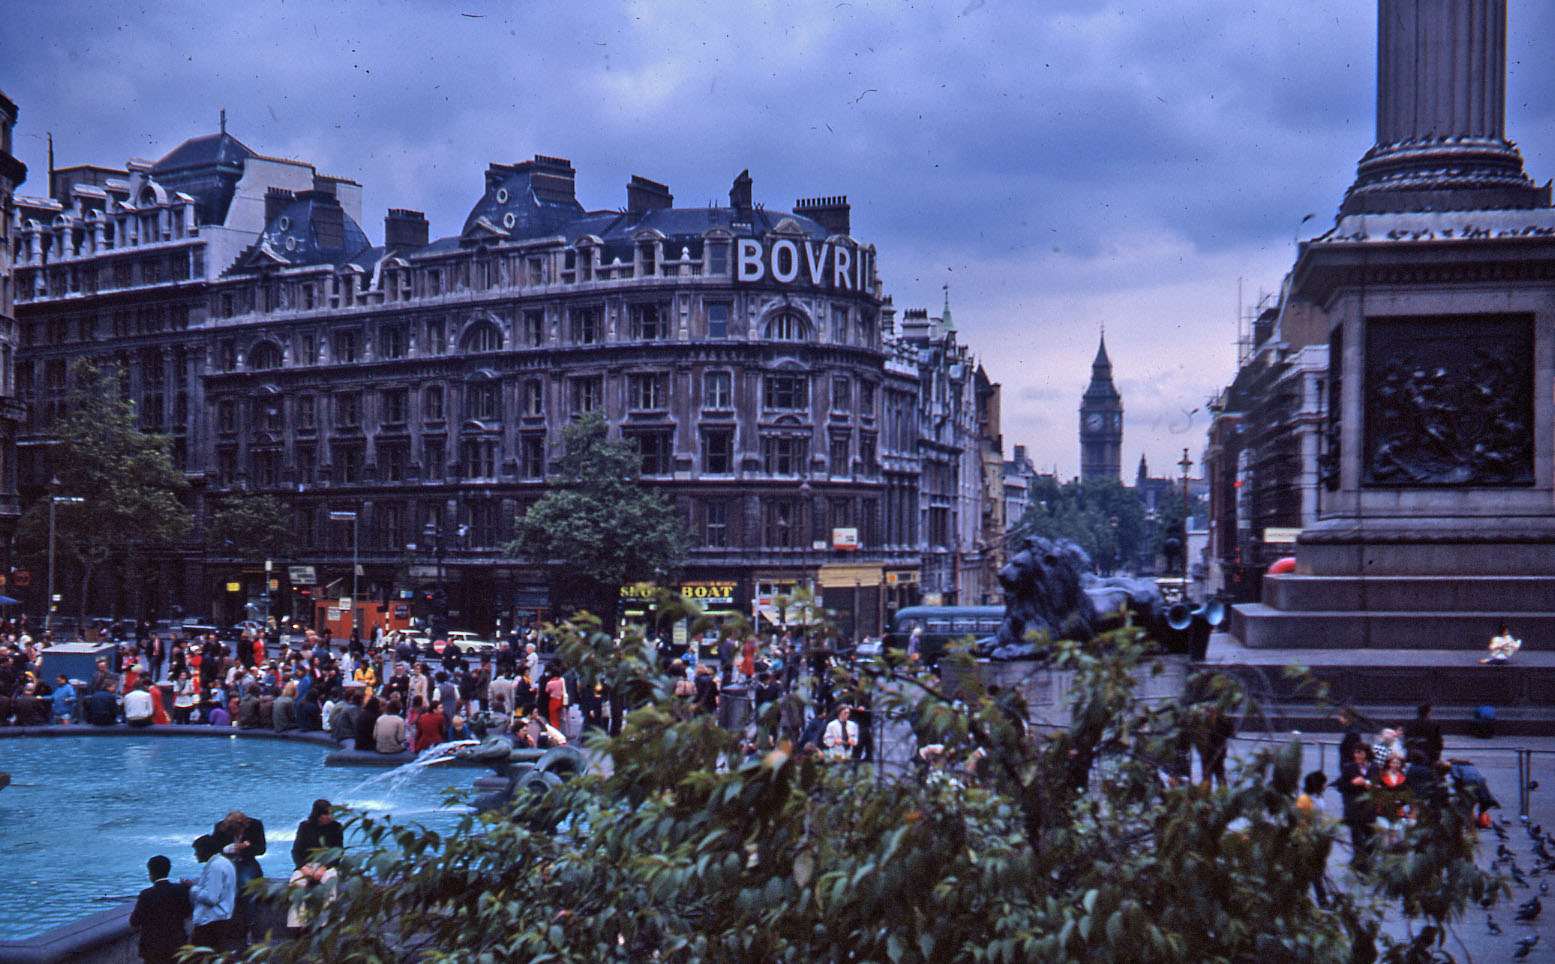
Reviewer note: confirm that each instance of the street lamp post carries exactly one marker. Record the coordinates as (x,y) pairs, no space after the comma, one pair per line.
(54,499)
(356,605)
(1185,465)
(434,535)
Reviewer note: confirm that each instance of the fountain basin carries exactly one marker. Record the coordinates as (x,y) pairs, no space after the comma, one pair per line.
(87,806)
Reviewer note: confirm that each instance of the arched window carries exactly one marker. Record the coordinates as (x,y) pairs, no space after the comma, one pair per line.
(264,354)
(788,326)
(483,336)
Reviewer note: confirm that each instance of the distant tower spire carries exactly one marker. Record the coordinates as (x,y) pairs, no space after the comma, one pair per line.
(945,318)
(224,120)
(1101,422)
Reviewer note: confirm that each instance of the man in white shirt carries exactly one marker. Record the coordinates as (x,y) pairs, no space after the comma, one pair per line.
(214,895)
(841,735)
(138,709)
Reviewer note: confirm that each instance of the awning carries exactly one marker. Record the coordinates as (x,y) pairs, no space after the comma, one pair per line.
(8,601)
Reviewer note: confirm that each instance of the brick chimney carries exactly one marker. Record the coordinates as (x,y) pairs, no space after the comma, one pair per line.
(404,229)
(276,200)
(831,213)
(643,195)
(551,178)
(740,193)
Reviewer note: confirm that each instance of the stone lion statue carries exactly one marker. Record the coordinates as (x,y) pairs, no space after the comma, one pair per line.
(1050,588)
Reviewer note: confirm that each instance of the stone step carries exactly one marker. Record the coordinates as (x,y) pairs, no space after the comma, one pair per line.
(1260,626)
(1387,685)
(1508,594)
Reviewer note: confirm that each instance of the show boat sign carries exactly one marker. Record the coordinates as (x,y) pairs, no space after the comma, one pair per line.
(823,263)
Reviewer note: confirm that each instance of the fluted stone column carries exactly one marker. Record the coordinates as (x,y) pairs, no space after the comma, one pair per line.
(1441,113)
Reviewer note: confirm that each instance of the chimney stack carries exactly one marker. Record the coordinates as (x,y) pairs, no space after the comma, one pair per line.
(552,179)
(643,195)
(404,229)
(831,213)
(276,200)
(740,193)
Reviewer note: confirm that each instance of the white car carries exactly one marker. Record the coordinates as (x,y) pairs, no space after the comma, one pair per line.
(468,642)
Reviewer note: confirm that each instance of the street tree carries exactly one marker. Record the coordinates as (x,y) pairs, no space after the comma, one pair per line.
(1102,517)
(1077,843)
(124,478)
(598,524)
(249,526)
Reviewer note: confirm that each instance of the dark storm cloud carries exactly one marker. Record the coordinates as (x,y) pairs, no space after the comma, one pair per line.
(1060,165)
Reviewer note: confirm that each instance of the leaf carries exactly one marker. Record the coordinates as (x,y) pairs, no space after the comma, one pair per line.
(804,868)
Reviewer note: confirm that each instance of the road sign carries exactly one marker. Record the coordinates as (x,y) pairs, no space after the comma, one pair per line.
(21,578)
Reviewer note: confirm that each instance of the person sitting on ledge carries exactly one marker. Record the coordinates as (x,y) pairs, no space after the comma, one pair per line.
(248,708)
(102,707)
(389,734)
(1503,645)
(138,710)
(30,709)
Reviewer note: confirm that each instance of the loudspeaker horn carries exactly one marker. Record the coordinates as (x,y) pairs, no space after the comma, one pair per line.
(1213,611)
(1179,616)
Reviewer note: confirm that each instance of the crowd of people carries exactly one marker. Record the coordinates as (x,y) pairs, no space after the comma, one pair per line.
(1386,779)
(390,696)
(220,904)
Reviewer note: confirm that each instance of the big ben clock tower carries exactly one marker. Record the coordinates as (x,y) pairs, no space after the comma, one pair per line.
(1101,423)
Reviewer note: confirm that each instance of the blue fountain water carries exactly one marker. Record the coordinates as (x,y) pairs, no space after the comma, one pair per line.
(82,814)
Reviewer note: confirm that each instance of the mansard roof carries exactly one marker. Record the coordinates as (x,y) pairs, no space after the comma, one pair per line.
(207,150)
(311,229)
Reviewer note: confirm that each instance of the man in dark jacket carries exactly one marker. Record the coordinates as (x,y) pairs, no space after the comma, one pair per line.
(159,914)
(1424,734)
(1356,781)
(102,708)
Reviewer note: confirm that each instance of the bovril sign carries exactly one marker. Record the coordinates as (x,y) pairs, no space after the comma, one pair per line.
(787,260)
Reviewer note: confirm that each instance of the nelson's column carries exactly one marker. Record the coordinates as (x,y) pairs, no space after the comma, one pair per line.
(1437,515)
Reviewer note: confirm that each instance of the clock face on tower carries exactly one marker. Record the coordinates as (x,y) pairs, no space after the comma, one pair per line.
(1094,421)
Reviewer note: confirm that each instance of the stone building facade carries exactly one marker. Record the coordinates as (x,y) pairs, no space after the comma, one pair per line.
(423,384)
(12,173)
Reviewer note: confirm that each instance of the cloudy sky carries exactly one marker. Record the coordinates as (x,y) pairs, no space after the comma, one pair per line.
(1062,165)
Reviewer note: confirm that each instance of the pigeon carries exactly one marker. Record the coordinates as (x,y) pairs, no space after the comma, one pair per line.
(1544,886)
(1525,947)
(1537,830)
(1500,831)
(1530,909)
(1503,851)
(1492,926)
(1488,901)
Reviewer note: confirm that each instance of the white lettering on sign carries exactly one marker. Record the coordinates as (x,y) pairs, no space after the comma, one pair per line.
(842,260)
(785,269)
(784,263)
(751,266)
(815,257)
